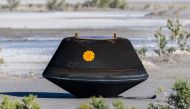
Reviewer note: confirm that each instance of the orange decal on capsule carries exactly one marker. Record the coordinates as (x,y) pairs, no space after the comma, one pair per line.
(88,55)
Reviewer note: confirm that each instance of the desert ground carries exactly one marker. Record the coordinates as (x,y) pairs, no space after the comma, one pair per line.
(28,41)
(162,74)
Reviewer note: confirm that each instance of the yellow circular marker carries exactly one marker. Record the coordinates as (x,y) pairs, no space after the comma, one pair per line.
(88,55)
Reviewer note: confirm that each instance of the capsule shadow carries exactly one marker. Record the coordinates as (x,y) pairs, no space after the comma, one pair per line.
(39,94)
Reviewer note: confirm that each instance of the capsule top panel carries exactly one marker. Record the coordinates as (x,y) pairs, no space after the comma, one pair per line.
(96,37)
(88,53)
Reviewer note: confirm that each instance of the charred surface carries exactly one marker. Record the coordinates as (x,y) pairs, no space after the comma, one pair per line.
(88,67)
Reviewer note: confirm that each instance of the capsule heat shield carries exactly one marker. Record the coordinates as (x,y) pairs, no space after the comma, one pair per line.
(95,67)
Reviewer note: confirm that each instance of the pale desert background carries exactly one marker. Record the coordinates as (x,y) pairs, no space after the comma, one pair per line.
(30,36)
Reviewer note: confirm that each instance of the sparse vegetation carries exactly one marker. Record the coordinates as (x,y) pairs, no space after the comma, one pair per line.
(152,106)
(161,47)
(160,90)
(142,52)
(147,6)
(178,33)
(94,3)
(8,104)
(56,4)
(119,4)
(28,103)
(1,59)
(99,103)
(13,4)
(96,103)
(119,104)
(103,3)
(161,42)
(61,4)
(178,99)
(78,6)
(85,106)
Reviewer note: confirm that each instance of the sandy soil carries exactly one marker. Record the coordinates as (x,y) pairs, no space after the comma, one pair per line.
(177,68)
(23,33)
(51,96)
(162,74)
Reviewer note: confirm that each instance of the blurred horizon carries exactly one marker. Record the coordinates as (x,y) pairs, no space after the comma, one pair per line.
(81,1)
